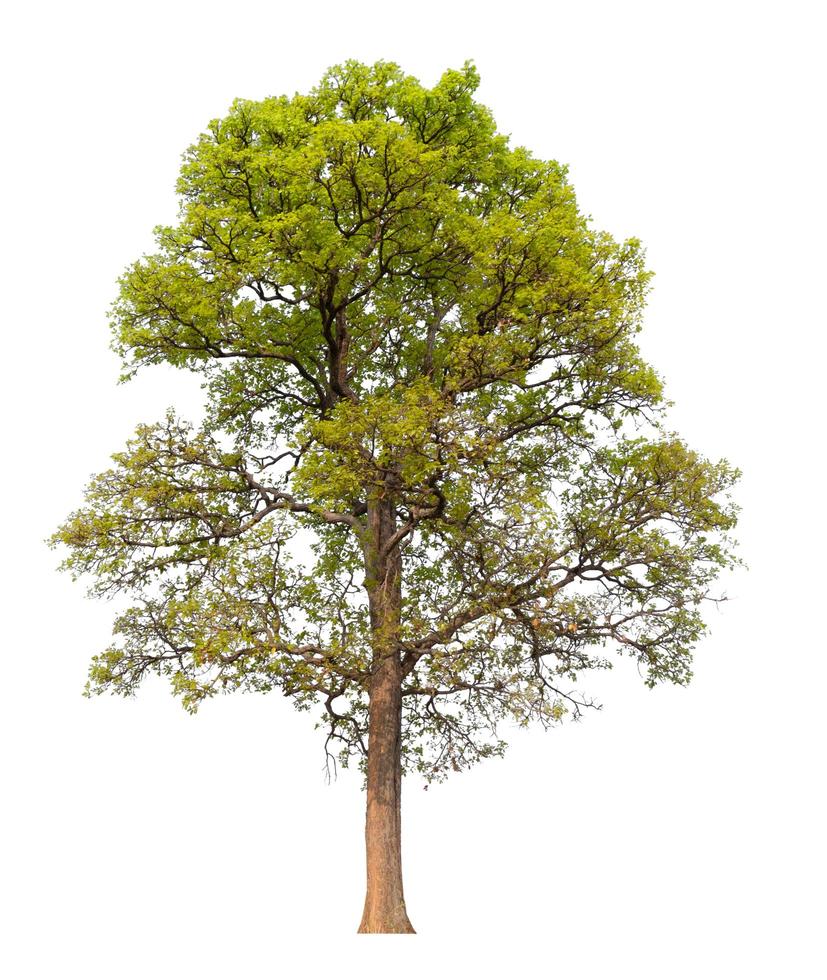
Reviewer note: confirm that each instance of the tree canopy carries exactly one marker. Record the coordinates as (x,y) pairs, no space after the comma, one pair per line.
(428,433)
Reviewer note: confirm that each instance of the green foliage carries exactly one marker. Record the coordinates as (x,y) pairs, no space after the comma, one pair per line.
(388,302)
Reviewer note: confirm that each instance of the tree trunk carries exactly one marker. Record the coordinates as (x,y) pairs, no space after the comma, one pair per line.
(384,902)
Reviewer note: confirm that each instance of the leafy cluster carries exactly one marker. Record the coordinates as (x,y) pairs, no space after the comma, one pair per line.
(388,302)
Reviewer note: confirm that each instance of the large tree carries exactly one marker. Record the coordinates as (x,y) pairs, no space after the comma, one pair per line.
(432,485)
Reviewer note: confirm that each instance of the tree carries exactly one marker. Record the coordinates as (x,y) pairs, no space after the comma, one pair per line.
(432,485)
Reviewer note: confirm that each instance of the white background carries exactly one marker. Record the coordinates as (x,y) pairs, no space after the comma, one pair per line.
(677,833)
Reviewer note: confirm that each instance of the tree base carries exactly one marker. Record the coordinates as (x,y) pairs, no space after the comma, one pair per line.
(386,925)
(385,917)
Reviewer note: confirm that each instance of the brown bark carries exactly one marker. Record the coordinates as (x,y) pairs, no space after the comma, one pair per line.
(384,901)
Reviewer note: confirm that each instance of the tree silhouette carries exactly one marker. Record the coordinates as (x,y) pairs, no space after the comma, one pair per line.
(433,484)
